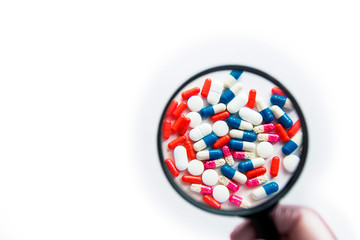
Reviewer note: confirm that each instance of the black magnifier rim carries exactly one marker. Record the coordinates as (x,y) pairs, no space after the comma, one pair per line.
(273,200)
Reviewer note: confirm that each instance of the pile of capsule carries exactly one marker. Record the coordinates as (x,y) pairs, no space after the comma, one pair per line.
(240,127)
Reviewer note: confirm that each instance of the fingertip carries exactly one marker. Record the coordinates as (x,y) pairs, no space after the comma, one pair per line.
(244,231)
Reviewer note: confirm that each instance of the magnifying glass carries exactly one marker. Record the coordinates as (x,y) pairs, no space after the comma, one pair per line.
(232,140)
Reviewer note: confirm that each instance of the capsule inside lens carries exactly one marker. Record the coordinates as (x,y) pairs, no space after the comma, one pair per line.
(223,140)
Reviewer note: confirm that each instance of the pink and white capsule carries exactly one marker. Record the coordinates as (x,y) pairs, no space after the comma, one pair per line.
(228,156)
(200,188)
(231,185)
(214,163)
(264,128)
(243,155)
(250,115)
(256,181)
(268,137)
(239,201)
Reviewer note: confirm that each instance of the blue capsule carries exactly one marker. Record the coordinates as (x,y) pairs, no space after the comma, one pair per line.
(231,173)
(280,101)
(238,123)
(267,115)
(293,144)
(265,191)
(281,116)
(211,110)
(229,94)
(241,145)
(243,135)
(236,73)
(210,139)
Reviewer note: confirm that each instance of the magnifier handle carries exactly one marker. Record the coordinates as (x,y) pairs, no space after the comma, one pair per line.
(264,226)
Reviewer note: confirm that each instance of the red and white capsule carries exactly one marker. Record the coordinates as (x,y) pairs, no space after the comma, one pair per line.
(214,163)
(199,188)
(231,185)
(239,201)
(227,155)
(256,181)
(268,137)
(264,128)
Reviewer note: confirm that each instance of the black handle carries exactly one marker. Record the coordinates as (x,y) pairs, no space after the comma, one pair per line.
(264,225)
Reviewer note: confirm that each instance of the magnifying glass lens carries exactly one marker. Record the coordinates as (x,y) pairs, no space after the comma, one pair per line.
(231,139)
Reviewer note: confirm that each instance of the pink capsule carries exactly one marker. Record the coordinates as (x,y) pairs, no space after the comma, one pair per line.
(268,137)
(243,155)
(238,201)
(256,181)
(228,156)
(264,128)
(214,163)
(228,183)
(200,188)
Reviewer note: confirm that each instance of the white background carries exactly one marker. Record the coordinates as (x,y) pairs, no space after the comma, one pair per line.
(83,83)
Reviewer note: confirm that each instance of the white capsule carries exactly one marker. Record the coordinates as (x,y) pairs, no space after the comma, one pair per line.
(210,177)
(250,115)
(215,92)
(220,107)
(195,119)
(195,103)
(195,167)
(264,149)
(229,81)
(239,177)
(221,193)
(248,146)
(237,103)
(291,162)
(200,131)
(180,157)
(220,128)
(277,111)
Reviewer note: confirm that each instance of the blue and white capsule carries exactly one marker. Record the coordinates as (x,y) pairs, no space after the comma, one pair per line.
(251,164)
(205,142)
(209,154)
(212,110)
(281,116)
(264,191)
(264,110)
(229,94)
(281,101)
(243,135)
(241,145)
(231,79)
(231,173)
(293,144)
(238,123)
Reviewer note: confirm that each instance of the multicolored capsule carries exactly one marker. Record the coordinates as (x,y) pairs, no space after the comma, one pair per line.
(256,181)
(209,154)
(264,110)
(231,79)
(265,191)
(281,116)
(242,155)
(268,137)
(281,101)
(243,135)
(214,163)
(293,144)
(228,156)
(228,183)
(238,123)
(239,201)
(199,188)
(211,110)
(233,174)
(251,164)
(229,94)
(264,128)
(205,142)
(241,145)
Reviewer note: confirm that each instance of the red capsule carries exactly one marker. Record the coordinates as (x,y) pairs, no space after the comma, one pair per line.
(221,141)
(277,90)
(189,150)
(191,179)
(275,163)
(184,126)
(191,92)
(282,132)
(177,124)
(294,128)
(179,109)
(251,99)
(176,142)
(206,87)
(171,166)
(211,202)
(256,172)
(166,129)
(220,116)
(171,108)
